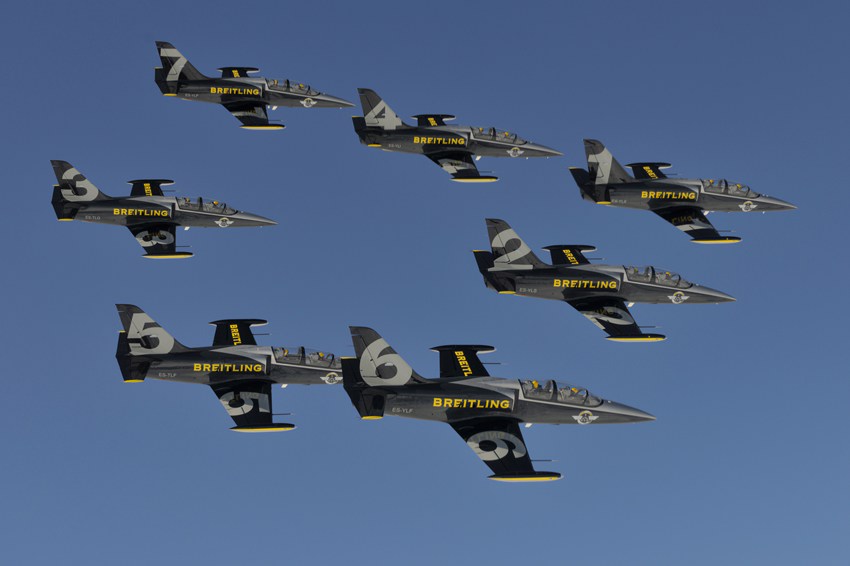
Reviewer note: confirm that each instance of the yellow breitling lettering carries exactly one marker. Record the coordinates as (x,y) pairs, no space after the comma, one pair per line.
(584,284)
(232,90)
(463,363)
(234,333)
(458,403)
(432,121)
(228,368)
(148,191)
(438,141)
(570,257)
(668,195)
(138,212)
(650,172)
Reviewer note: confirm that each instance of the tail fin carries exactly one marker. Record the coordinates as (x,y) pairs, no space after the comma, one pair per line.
(175,67)
(602,167)
(380,365)
(71,189)
(509,251)
(376,112)
(144,336)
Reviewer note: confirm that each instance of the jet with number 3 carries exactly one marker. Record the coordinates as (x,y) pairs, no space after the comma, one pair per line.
(681,202)
(151,216)
(485,411)
(247,98)
(599,292)
(239,372)
(454,148)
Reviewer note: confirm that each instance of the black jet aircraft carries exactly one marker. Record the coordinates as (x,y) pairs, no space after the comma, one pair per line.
(240,372)
(485,411)
(681,202)
(245,97)
(599,292)
(151,216)
(454,148)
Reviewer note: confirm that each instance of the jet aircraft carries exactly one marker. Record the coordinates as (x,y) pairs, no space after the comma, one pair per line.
(451,147)
(151,216)
(240,372)
(599,292)
(681,202)
(245,97)
(485,411)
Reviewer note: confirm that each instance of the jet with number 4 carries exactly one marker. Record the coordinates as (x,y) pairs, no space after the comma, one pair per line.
(239,372)
(599,292)
(247,98)
(485,411)
(454,148)
(681,202)
(151,216)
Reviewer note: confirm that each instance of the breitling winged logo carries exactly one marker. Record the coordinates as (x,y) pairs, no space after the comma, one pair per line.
(585,417)
(678,297)
(748,206)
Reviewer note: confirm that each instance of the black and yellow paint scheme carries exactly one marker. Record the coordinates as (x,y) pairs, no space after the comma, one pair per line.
(681,202)
(454,148)
(151,216)
(246,97)
(485,411)
(599,292)
(240,373)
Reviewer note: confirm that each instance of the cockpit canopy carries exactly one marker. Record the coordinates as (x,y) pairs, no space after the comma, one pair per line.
(285,85)
(497,135)
(649,274)
(304,356)
(724,187)
(213,206)
(559,393)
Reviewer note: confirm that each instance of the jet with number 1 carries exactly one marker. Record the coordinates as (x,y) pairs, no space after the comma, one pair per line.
(150,216)
(239,372)
(599,292)
(485,411)
(454,148)
(681,202)
(247,98)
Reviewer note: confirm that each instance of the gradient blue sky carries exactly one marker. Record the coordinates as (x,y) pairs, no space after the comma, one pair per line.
(747,462)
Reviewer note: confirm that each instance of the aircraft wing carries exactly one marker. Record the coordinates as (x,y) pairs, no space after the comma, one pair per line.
(249,404)
(612,316)
(253,115)
(460,165)
(692,221)
(157,239)
(499,444)
(462,360)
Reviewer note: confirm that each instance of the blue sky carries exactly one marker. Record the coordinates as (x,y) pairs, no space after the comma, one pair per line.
(747,462)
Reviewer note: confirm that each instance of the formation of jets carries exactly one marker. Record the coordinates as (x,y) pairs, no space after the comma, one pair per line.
(485,411)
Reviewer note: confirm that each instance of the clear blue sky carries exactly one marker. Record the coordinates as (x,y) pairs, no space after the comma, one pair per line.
(747,462)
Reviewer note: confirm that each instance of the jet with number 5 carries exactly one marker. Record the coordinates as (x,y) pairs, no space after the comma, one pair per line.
(454,148)
(599,292)
(151,216)
(485,411)
(239,372)
(681,202)
(247,98)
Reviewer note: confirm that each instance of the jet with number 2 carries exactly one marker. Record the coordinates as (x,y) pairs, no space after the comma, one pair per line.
(247,98)
(240,372)
(454,148)
(151,216)
(599,292)
(485,411)
(681,202)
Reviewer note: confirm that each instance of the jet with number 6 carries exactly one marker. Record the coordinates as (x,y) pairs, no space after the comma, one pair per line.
(454,148)
(485,411)
(239,372)
(247,98)
(681,202)
(599,292)
(151,216)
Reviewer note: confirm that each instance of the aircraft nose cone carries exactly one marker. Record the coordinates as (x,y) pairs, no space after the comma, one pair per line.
(710,295)
(334,102)
(628,414)
(249,219)
(542,150)
(771,203)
